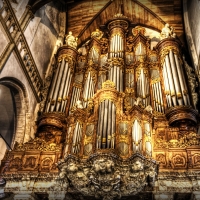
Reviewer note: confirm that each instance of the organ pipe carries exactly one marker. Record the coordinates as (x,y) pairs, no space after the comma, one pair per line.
(106,125)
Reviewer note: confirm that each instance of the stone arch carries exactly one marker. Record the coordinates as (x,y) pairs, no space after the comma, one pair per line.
(20,100)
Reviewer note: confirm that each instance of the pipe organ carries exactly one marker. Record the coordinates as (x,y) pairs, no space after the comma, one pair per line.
(117,106)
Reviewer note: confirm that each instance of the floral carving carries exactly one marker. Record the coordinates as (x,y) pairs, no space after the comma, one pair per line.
(106,176)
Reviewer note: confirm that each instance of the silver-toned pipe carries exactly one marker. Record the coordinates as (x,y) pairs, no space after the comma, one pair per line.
(171,82)
(121,39)
(79,136)
(92,88)
(65,81)
(158,97)
(121,80)
(75,97)
(114,74)
(132,80)
(74,138)
(101,122)
(69,83)
(116,46)
(175,78)
(113,47)
(67,93)
(88,86)
(113,125)
(111,73)
(53,86)
(61,91)
(120,46)
(105,124)
(148,92)
(117,80)
(58,84)
(167,88)
(98,128)
(161,98)
(155,97)
(89,89)
(109,123)
(142,76)
(182,80)
(118,49)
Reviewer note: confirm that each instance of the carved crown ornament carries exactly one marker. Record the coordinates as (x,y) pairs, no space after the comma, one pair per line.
(106,176)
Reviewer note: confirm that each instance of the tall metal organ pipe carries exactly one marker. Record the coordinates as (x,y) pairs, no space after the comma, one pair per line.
(106,125)
(117,35)
(60,88)
(174,79)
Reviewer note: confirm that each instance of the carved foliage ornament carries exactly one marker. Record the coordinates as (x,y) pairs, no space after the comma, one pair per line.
(106,176)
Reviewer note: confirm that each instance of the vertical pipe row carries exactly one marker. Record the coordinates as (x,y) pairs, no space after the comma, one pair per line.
(137,136)
(66,90)
(171,82)
(106,125)
(77,137)
(182,81)
(51,101)
(175,78)
(61,91)
(58,84)
(174,81)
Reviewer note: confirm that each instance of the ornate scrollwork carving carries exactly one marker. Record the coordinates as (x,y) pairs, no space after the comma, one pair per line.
(104,45)
(106,176)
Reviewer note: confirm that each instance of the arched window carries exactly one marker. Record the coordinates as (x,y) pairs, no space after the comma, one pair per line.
(13,109)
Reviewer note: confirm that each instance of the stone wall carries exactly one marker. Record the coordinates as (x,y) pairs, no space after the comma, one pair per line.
(191,13)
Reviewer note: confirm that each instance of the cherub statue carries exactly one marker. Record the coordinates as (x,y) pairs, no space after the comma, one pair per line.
(138,101)
(70,40)
(97,34)
(79,104)
(149,109)
(167,32)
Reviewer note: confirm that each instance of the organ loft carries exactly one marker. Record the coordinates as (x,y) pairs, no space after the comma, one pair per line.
(118,119)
